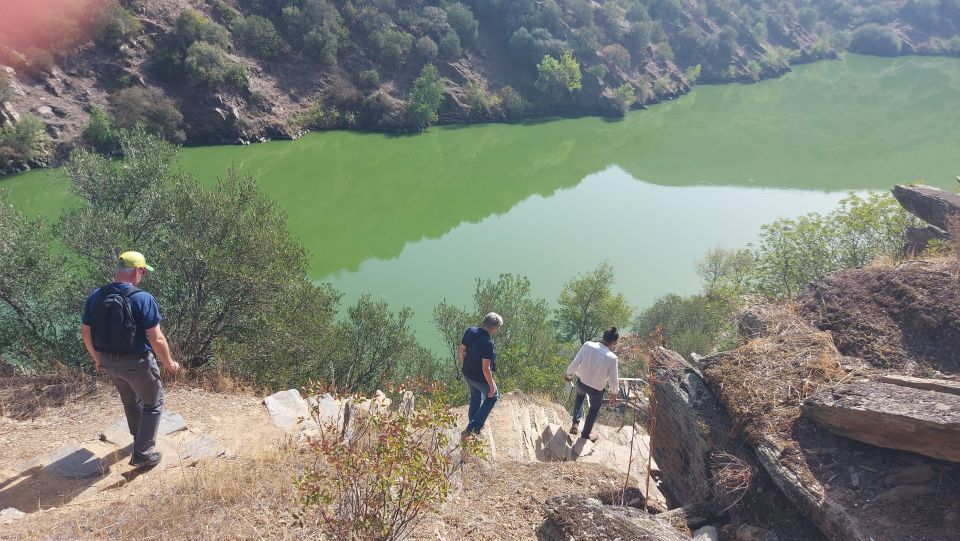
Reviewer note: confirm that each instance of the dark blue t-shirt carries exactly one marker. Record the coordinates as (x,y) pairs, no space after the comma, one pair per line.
(142,304)
(479,346)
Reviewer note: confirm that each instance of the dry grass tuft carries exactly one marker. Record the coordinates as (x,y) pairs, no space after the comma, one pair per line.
(243,498)
(764,382)
(733,479)
(25,397)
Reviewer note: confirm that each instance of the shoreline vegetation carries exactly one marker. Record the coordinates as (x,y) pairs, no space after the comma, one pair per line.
(242,71)
(236,295)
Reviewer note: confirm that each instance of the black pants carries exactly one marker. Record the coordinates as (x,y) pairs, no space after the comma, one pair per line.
(596,400)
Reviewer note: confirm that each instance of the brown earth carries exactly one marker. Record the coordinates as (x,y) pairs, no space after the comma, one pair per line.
(905,318)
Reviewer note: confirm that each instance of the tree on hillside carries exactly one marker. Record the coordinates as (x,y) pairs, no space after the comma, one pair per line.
(875,39)
(100,134)
(425,98)
(462,20)
(559,76)
(587,306)
(150,108)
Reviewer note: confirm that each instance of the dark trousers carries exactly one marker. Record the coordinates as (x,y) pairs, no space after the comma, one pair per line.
(137,379)
(480,404)
(596,400)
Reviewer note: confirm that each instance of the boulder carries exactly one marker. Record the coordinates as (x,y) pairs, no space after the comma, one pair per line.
(287,409)
(586,519)
(707,533)
(891,416)
(932,205)
(44,111)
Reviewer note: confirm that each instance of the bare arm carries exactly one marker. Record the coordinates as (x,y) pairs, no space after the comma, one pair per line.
(463,351)
(488,375)
(87,335)
(158,341)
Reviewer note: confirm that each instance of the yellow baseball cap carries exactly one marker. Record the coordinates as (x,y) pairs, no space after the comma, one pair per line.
(133,260)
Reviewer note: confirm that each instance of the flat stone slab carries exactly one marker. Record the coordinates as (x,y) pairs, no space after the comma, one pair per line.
(201,446)
(287,409)
(74,462)
(119,434)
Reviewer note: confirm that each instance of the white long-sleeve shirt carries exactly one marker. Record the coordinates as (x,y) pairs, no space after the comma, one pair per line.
(596,366)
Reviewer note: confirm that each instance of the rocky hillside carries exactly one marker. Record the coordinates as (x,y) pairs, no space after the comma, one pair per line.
(236,71)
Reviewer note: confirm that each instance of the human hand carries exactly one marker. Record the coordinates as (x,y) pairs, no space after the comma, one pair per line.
(493,391)
(614,399)
(97,366)
(171,368)
(567,378)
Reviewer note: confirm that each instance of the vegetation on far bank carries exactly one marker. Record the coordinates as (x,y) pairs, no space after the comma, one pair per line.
(245,69)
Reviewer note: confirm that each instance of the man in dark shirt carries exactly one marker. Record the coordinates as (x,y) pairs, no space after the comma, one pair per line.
(478,360)
(135,372)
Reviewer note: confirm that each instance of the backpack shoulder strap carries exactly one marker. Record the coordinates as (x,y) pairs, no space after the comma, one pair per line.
(130,291)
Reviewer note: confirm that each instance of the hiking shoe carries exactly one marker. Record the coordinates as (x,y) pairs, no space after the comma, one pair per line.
(592,437)
(148,460)
(575,428)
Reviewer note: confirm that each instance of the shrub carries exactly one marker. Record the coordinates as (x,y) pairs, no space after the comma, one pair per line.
(23,140)
(170,54)
(205,65)
(617,55)
(150,108)
(258,35)
(587,306)
(100,134)
(691,74)
(558,76)
(391,48)
(624,96)
(514,106)
(322,46)
(876,40)
(450,48)
(695,324)
(380,477)
(6,86)
(370,79)
(38,295)
(425,98)
(225,13)
(114,25)
(462,20)
(426,50)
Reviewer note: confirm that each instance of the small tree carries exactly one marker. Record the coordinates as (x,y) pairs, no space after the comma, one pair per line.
(875,39)
(100,134)
(426,50)
(425,98)
(22,140)
(587,306)
(558,76)
(624,97)
(462,20)
(150,108)
(258,35)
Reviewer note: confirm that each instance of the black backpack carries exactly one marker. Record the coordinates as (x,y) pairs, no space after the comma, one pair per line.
(114,327)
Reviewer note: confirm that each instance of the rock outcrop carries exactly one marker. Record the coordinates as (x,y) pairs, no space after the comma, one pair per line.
(891,416)
(586,519)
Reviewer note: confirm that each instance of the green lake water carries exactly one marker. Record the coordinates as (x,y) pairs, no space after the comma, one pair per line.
(416,219)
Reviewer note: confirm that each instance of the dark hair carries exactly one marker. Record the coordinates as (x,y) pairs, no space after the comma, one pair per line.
(612,335)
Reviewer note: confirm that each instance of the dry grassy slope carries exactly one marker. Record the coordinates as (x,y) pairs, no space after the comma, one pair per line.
(250,494)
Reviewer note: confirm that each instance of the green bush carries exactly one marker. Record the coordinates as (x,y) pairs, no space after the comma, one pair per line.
(258,35)
(450,47)
(150,108)
(370,78)
(624,96)
(425,98)
(225,13)
(426,50)
(39,321)
(206,66)
(876,40)
(558,76)
(462,20)
(114,24)
(100,135)
(22,141)
(514,106)
(391,48)
(695,324)
(169,56)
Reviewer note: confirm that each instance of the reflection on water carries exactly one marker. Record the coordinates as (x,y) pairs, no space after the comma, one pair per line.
(417,219)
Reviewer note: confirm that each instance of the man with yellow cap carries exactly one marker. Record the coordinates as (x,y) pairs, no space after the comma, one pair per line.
(121,330)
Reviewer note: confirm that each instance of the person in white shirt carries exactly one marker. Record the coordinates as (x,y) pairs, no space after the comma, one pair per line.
(595,366)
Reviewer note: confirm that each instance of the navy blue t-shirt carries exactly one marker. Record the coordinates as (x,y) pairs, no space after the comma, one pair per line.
(479,346)
(142,304)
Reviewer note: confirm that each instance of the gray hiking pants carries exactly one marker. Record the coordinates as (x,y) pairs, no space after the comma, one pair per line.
(137,378)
